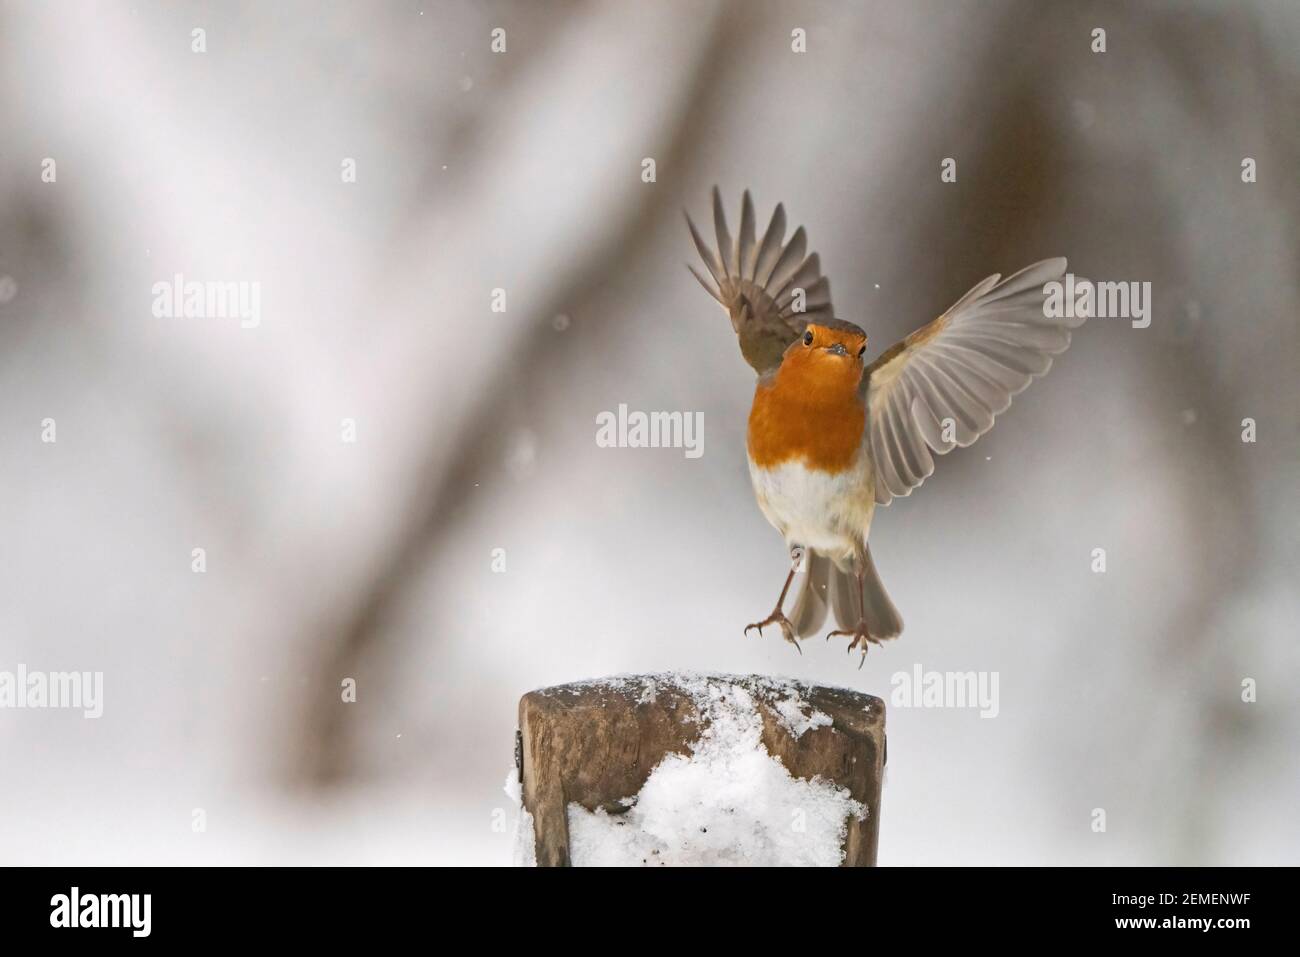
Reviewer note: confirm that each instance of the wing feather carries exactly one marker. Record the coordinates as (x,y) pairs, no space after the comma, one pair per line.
(808,273)
(711,261)
(770,250)
(726,248)
(790,260)
(707,288)
(755,281)
(748,245)
(945,384)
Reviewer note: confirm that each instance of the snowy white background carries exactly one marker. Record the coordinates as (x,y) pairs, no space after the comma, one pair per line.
(476,429)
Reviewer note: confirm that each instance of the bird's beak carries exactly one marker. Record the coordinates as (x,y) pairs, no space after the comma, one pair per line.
(837,350)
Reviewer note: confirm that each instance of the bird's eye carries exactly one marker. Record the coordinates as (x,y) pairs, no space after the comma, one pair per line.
(863,351)
(807,338)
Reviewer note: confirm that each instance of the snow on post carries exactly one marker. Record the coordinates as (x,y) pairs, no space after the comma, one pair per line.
(684,769)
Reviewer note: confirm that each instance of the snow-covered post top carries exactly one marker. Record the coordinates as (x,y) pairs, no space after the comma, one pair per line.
(700,769)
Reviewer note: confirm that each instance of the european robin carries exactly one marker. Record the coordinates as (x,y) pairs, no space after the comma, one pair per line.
(830,436)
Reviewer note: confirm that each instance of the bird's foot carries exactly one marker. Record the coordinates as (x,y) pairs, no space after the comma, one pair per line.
(860,635)
(777,618)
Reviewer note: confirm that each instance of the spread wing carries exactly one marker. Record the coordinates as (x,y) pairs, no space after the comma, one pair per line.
(943,384)
(757,282)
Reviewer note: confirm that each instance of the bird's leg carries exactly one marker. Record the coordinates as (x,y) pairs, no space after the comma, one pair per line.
(778,617)
(859,634)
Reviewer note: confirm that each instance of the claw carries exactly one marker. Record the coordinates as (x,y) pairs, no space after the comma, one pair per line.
(777,618)
(860,636)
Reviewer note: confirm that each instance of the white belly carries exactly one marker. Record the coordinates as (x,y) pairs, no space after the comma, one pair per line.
(828,513)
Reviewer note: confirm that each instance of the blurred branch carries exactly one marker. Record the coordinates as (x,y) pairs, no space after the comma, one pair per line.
(327,756)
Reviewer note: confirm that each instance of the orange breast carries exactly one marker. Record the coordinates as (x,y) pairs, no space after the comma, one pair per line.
(806,415)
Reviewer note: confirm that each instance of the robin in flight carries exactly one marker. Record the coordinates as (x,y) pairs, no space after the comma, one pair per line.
(831,436)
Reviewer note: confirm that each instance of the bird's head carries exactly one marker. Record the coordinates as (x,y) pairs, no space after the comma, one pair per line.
(830,352)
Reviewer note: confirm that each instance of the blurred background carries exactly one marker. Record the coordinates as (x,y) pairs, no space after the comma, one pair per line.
(475,430)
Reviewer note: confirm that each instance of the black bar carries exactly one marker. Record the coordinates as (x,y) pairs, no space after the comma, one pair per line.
(330,906)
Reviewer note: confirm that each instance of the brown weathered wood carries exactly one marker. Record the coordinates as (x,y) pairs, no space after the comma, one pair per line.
(596,742)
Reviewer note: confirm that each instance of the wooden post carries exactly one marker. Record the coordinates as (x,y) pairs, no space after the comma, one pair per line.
(595,743)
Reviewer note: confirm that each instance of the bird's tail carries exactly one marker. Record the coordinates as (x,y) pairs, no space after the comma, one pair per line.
(814,595)
(883,619)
